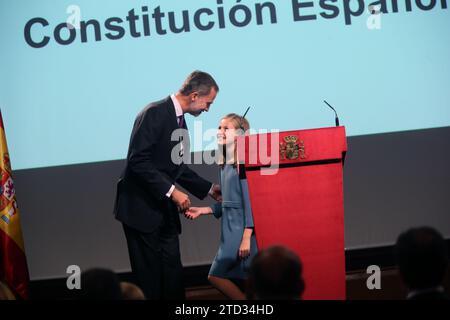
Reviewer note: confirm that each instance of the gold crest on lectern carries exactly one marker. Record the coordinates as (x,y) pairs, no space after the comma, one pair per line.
(290,149)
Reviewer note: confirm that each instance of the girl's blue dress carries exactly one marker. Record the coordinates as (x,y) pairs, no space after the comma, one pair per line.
(236,214)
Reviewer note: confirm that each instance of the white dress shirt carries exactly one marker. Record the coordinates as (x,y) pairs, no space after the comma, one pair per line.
(178,109)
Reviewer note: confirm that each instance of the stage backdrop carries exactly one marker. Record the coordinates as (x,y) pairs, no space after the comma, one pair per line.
(75,74)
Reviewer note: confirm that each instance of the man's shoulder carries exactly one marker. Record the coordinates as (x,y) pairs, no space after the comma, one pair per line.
(156,108)
(160,103)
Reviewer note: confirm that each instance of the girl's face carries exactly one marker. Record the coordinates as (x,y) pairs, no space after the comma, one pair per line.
(226,132)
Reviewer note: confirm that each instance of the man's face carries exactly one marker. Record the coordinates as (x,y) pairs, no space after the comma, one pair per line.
(201,104)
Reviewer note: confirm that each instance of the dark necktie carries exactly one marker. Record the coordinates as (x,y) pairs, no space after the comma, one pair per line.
(181,121)
(181,125)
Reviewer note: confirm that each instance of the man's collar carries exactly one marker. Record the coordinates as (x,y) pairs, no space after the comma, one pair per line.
(178,109)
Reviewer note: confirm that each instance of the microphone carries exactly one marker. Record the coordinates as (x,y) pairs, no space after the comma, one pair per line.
(246,112)
(337,118)
(241,125)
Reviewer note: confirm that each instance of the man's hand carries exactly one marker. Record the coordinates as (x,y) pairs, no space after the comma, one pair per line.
(181,200)
(216,193)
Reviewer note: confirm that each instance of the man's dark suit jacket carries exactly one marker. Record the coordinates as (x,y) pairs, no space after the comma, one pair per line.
(141,201)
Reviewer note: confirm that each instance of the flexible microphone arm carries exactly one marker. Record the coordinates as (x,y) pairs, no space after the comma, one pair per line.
(337,118)
(246,112)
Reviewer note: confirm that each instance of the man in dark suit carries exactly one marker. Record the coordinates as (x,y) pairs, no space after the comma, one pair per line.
(147,202)
(422,258)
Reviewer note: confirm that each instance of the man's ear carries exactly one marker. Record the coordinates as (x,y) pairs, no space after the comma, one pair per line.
(194,96)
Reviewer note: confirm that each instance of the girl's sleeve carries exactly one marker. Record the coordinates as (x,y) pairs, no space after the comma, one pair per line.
(217,210)
(248,216)
(217,207)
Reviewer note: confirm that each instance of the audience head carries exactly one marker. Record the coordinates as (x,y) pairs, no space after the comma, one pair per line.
(100,284)
(422,258)
(131,292)
(275,273)
(5,292)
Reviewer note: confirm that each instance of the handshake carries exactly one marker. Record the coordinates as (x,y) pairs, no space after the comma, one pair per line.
(184,203)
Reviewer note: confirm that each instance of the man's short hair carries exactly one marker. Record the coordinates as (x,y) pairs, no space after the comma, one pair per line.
(422,257)
(276,273)
(200,82)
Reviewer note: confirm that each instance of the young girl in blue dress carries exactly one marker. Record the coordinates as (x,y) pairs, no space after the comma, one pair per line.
(237,242)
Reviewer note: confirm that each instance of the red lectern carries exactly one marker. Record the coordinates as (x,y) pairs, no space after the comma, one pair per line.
(295,182)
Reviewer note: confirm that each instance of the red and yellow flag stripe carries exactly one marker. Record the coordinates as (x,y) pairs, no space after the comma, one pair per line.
(13,264)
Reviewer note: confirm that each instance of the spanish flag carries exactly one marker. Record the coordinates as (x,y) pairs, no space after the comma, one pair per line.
(13,263)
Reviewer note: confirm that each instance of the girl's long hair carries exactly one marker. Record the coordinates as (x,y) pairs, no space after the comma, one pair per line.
(242,125)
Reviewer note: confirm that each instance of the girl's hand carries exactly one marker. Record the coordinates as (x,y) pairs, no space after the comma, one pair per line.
(194,212)
(244,249)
